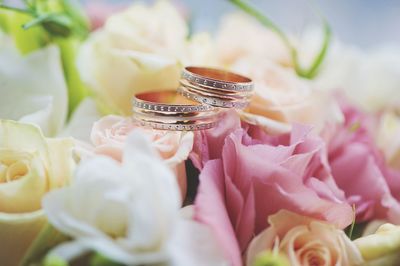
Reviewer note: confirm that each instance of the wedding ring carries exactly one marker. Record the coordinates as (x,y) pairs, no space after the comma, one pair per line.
(218,79)
(167,110)
(212,101)
(215,87)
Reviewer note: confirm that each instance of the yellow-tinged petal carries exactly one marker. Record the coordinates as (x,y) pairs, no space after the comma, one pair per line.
(30,166)
(385,241)
(24,193)
(25,137)
(62,163)
(17,231)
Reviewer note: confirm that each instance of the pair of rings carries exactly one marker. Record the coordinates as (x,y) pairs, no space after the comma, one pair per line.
(197,103)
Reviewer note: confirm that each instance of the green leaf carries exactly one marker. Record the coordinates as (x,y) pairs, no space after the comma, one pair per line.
(358,230)
(3,21)
(99,260)
(54,261)
(55,24)
(77,14)
(48,238)
(25,40)
(268,258)
(59,25)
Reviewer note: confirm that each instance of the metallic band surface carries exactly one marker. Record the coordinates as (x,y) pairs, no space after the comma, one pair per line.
(166,111)
(175,127)
(211,100)
(218,79)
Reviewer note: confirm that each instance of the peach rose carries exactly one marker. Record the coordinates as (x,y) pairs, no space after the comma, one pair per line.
(281,97)
(305,241)
(109,135)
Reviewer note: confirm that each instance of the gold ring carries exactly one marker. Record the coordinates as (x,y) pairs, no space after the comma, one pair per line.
(218,88)
(218,79)
(167,110)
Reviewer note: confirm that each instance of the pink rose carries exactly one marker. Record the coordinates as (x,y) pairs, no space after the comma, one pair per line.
(305,241)
(208,144)
(255,175)
(360,169)
(109,135)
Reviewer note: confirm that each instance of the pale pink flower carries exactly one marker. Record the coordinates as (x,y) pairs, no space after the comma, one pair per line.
(109,135)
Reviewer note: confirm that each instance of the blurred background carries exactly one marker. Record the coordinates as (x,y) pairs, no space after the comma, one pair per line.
(365,23)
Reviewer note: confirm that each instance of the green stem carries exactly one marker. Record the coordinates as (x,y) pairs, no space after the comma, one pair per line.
(309,72)
(312,71)
(76,89)
(47,238)
(353,222)
(35,22)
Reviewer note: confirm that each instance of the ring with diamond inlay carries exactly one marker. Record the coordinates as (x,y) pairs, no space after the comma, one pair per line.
(167,110)
(218,79)
(215,87)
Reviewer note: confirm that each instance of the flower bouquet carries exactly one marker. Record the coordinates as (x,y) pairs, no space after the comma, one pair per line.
(128,139)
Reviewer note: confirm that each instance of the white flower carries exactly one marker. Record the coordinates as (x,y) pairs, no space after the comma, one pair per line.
(129,212)
(33,87)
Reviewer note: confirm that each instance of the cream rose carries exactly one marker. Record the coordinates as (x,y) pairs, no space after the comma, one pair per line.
(281,97)
(140,49)
(109,138)
(370,79)
(242,36)
(382,247)
(305,242)
(30,166)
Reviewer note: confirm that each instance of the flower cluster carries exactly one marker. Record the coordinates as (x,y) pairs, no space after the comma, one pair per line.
(307,174)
